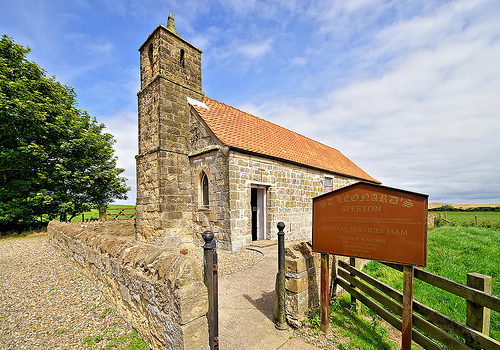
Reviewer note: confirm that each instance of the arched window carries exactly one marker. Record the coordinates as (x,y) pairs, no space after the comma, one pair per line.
(204,189)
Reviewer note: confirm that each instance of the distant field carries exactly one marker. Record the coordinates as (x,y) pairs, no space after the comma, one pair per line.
(452,252)
(114,209)
(461,206)
(464,218)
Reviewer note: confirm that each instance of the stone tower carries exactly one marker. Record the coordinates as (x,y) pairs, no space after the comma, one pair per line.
(170,72)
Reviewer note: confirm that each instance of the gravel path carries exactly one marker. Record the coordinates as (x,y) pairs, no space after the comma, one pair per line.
(47,303)
(230,262)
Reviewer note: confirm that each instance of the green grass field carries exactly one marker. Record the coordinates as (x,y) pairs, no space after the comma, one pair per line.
(113,208)
(348,329)
(466,218)
(452,252)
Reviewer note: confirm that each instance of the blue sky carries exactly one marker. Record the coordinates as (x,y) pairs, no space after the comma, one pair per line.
(409,90)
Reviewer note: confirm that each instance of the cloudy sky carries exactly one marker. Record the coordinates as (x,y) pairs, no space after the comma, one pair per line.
(409,90)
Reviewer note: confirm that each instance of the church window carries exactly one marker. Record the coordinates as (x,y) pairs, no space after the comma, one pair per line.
(150,56)
(181,58)
(204,189)
(328,184)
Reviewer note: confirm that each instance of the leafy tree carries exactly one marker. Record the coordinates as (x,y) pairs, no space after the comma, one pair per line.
(55,160)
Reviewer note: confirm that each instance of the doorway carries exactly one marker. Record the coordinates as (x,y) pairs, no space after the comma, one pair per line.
(258,205)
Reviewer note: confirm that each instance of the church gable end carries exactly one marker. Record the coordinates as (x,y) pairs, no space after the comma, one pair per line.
(204,165)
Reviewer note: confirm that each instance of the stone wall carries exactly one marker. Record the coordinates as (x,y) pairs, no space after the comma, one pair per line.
(164,185)
(302,279)
(290,190)
(431,221)
(209,155)
(159,291)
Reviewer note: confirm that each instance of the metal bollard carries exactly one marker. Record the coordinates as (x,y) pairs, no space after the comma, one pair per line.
(281,322)
(211,281)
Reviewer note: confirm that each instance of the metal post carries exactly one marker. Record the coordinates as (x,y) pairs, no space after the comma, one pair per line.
(211,281)
(281,322)
(216,296)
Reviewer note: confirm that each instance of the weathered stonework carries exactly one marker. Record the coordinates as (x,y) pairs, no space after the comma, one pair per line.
(302,279)
(177,148)
(302,283)
(157,290)
(431,221)
(170,72)
(289,188)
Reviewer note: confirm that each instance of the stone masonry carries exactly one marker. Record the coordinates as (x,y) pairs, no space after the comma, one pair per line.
(290,189)
(170,72)
(177,148)
(159,291)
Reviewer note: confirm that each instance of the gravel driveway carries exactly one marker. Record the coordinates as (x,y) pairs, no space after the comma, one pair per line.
(47,303)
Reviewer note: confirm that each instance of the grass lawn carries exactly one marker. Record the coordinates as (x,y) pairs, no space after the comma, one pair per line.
(467,218)
(114,208)
(452,252)
(348,329)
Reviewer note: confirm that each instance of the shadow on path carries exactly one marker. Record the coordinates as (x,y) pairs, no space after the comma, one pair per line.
(264,304)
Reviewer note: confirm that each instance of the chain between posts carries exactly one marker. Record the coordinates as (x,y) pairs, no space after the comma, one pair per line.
(280,321)
(211,270)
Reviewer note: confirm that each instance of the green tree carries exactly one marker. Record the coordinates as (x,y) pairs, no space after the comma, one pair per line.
(55,160)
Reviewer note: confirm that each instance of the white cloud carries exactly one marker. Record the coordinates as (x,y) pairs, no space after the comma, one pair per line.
(430,120)
(256,49)
(298,61)
(123,126)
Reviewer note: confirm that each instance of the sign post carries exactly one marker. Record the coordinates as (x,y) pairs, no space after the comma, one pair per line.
(407,307)
(373,222)
(325,293)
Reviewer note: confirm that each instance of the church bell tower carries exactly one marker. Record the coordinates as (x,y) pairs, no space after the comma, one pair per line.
(170,72)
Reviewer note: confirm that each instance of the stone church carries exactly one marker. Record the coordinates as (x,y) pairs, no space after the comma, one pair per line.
(205,165)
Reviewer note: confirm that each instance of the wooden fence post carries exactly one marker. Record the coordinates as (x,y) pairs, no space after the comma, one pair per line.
(356,263)
(478,317)
(102,213)
(325,293)
(406,329)
(333,278)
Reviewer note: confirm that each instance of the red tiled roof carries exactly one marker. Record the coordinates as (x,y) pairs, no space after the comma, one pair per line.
(247,132)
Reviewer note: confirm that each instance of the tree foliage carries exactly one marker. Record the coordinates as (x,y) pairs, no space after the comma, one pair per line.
(55,160)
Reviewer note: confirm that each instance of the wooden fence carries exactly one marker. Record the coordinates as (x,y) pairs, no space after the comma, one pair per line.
(120,213)
(431,329)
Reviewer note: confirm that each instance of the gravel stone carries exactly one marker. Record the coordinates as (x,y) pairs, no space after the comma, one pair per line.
(231,262)
(46,302)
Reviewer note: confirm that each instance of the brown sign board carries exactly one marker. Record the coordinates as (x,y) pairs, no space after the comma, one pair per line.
(373,222)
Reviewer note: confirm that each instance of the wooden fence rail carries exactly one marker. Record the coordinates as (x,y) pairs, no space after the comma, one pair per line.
(115,214)
(433,327)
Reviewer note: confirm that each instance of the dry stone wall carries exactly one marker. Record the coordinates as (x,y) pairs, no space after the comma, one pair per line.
(159,291)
